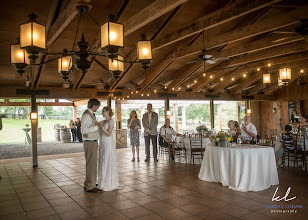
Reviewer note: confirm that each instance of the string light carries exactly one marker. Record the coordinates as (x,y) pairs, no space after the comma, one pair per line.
(172,88)
(179,88)
(188,86)
(148,94)
(132,92)
(244,75)
(155,90)
(127,96)
(136,92)
(142,94)
(166,87)
(204,74)
(221,79)
(211,76)
(302,71)
(258,69)
(269,64)
(195,81)
(232,79)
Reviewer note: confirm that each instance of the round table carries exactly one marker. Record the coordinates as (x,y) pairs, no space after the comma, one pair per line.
(240,167)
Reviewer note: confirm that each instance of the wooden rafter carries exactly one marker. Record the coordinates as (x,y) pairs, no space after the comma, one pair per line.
(274,52)
(223,15)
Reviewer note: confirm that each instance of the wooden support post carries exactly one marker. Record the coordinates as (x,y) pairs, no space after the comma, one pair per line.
(166,107)
(176,117)
(118,114)
(109,101)
(34,132)
(75,112)
(212,113)
(183,118)
(219,116)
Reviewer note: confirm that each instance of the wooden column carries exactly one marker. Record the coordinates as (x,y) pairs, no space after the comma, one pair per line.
(219,116)
(34,133)
(118,114)
(255,114)
(109,101)
(212,113)
(75,112)
(166,107)
(176,117)
(184,118)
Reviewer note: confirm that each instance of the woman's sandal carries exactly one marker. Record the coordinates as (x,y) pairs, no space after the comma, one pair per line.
(133,159)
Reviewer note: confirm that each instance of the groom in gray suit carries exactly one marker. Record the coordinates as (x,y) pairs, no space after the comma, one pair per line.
(150,122)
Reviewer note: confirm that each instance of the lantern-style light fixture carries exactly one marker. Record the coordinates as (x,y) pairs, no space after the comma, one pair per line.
(116,66)
(33,115)
(32,37)
(285,74)
(248,111)
(144,52)
(19,58)
(112,36)
(168,113)
(266,79)
(64,65)
(282,83)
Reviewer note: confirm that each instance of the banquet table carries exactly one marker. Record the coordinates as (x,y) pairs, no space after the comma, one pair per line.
(185,142)
(240,167)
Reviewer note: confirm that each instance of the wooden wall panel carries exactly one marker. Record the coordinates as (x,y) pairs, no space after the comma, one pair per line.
(266,117)
(284,114)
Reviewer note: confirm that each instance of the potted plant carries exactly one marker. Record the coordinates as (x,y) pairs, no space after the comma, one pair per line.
(222,139)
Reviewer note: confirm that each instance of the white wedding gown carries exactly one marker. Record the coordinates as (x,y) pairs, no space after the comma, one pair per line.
(107,161)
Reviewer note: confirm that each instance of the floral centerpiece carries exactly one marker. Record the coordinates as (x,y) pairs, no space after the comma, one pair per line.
(222,138)
(27,125)
(202,129)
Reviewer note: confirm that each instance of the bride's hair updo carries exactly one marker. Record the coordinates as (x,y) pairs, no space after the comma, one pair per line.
(108,109)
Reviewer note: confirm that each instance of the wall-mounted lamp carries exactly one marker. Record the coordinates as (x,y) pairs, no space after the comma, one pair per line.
(33,115)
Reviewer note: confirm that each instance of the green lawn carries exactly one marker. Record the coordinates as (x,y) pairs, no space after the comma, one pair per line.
(12,129)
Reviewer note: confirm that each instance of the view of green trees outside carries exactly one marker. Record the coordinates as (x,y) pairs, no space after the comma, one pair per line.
(17,118)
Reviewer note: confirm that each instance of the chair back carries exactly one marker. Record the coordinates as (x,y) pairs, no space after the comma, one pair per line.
(265,134)
(195,141)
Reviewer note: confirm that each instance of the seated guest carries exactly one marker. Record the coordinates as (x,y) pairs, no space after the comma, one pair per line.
(168,133)
(237,127)
(287,140)
(248,131)
(303,123)
(232,130)
(293,119)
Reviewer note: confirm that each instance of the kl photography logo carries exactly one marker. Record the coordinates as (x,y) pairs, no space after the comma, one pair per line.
(287,208)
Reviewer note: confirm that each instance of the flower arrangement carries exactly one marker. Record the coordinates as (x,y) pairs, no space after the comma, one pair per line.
(27,125)
(222,136)
(202,128)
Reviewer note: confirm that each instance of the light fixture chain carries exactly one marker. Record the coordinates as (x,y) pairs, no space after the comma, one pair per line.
(77,30)
(92,18)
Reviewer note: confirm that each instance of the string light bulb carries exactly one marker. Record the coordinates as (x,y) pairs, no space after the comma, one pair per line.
(204,74)
(221,79)
(244,75)
(148,94)
(195,81)
(302,71)
(155,90)
(142,94)
(132,92)
(166,87)
(269,64)
(232,79)
(258,69)
(211,76)
(127,96)
(188,86)
(136,92)
(172,88)
(179,88)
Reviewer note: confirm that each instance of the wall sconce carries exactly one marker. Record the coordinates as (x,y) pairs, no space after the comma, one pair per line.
(33,116)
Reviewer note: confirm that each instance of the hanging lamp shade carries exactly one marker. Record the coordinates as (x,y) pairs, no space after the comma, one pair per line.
(19,58)
(64,65)
(266,78)
(285,74)
(116,66)
(112,36)
(144,52)
(32,37)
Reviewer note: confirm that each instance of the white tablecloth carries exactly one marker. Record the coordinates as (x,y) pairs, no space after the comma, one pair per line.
(242,168)
(186,143)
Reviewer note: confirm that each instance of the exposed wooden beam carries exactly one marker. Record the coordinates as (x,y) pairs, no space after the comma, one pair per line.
(150,13)
(133,54)
(38,103)
(275,52)
(258,75)
(87,93)
(230,12)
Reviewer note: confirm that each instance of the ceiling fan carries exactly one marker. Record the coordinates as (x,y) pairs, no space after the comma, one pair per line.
(207,58)
(301,30)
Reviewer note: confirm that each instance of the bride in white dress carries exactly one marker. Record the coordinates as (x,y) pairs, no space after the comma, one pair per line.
(107,162)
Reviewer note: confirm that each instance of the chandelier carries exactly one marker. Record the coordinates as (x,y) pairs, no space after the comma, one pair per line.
(32,42)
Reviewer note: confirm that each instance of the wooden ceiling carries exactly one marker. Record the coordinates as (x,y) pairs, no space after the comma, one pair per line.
(250,33)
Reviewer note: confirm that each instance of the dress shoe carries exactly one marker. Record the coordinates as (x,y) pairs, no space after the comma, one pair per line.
(86,188)
(147,160)
(95,190)
(155,160)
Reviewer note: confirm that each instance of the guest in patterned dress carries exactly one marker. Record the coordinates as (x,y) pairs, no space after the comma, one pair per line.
(134,126)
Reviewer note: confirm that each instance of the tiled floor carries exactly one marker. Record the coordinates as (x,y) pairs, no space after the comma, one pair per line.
(160,190)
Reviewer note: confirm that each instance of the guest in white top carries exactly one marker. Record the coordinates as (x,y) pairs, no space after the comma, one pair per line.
(248,131)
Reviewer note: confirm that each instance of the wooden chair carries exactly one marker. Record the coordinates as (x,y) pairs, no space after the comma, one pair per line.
(196,148)
(273,134)
(300,153)
(163,150)
(178,150)
(289,153)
